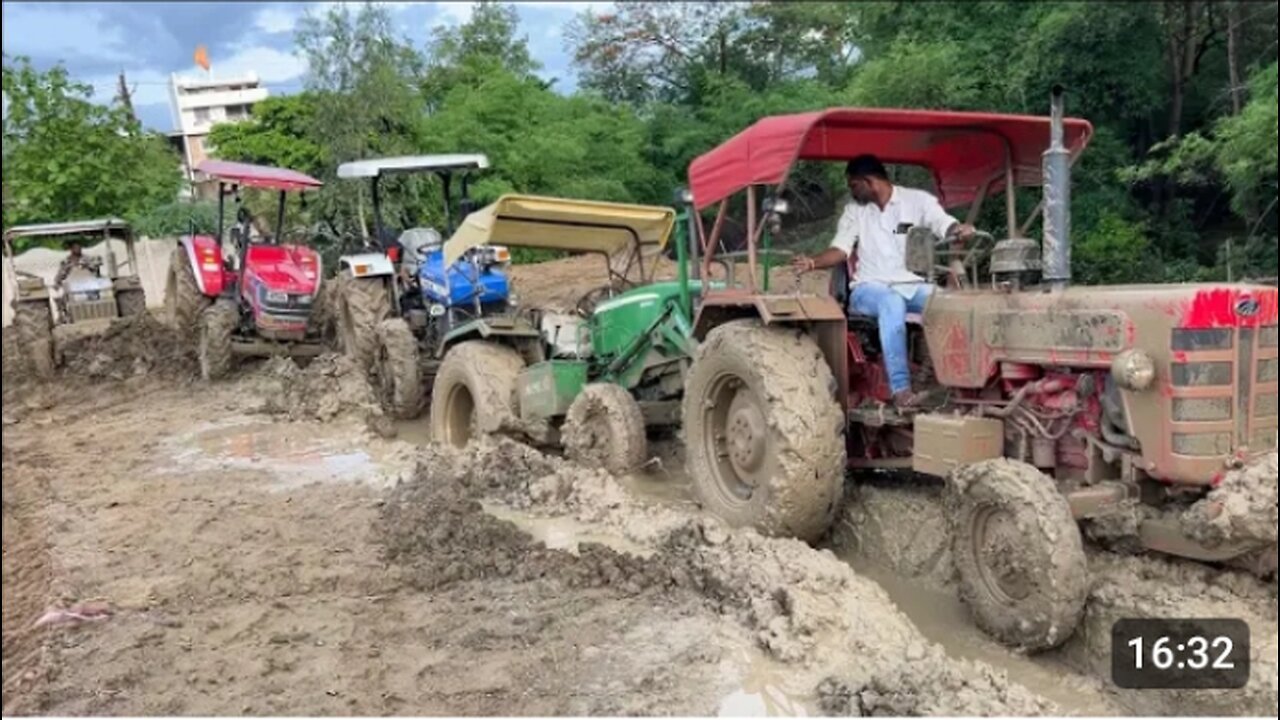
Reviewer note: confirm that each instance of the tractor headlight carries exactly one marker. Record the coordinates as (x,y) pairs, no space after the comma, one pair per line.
(277,297)
(303,299)
(1133,370)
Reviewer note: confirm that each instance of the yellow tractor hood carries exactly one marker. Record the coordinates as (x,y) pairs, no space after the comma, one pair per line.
(576,226)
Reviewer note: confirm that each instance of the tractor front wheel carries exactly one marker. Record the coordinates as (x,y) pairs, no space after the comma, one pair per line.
(399,378)
(131,302)
(183,300)
(217,325)
(1019,554)
(763,431)
(605,429)
(363,303)
(475,392)
(33,319)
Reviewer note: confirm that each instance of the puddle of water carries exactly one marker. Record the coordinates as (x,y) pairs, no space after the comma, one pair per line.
(763,692)
(294,454)
(943,619)
(563,533)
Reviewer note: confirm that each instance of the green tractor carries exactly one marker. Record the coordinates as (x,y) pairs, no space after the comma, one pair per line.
(599,376)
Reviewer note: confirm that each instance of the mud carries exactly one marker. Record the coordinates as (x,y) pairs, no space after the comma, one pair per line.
(889,547)
(806,610)
(330,387)
(1241,509)
(123,348)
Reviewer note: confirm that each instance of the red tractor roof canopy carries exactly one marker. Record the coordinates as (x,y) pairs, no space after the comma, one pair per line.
(963,150)
(259,176)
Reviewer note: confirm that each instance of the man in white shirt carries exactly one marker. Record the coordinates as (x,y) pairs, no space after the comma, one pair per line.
(876,225)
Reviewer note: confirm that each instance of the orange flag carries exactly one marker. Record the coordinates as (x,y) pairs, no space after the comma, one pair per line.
(202,57)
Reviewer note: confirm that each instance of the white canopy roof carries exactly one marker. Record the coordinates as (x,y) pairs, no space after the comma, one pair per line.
(76,227)
(411,163)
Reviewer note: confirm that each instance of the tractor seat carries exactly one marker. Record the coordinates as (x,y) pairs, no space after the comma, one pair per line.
(840,275)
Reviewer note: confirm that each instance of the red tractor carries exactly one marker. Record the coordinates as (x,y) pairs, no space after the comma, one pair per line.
(1055,406)
(255,295)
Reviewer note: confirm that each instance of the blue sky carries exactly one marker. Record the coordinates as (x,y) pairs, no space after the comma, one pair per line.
(150,40)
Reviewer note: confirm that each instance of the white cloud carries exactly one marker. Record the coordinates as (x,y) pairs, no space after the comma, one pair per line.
(275,20)
(81,32)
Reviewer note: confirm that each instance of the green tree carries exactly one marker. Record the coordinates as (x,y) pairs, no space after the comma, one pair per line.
(278,133)
(467,54)
(68,158)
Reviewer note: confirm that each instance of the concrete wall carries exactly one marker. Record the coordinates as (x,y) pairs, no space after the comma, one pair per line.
(153,264)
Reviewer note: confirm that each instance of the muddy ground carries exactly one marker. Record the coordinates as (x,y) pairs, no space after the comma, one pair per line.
(272,545)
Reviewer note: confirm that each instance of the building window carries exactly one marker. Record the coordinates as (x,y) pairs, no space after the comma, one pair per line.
(202,115)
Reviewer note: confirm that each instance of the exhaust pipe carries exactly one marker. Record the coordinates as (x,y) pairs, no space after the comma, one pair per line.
(1057,199)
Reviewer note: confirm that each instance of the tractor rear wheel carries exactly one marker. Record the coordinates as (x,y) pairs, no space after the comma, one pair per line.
(363,303)
(33,320)
(474,392)
(399,378)
(183,300)
(605,429)
(763,431)
(131,302)
(1018,552)
(217,325)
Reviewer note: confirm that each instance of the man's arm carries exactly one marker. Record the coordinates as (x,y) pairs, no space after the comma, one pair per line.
(942,224)
(841,247)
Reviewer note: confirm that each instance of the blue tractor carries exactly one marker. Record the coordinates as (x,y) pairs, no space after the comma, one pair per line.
(400,307)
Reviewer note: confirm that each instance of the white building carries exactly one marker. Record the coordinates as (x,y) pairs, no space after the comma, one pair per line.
(197,104)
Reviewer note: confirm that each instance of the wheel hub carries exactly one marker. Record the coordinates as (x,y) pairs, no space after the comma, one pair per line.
(999,547)
(746,435)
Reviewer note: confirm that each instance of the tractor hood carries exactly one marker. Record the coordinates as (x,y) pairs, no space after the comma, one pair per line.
(285,268)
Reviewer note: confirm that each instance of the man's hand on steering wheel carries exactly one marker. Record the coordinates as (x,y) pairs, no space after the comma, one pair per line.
(961,233)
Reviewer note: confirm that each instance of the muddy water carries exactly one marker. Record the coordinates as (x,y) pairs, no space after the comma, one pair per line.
(293,455)
(943,619)
(563,533)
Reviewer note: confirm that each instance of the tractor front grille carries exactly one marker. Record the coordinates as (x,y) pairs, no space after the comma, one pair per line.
(1224,391)
(85,310)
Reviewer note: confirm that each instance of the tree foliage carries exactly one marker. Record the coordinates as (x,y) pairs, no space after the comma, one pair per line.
(67,158)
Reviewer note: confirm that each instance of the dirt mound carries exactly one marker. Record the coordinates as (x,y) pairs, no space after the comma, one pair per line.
(329,387)
(803,608)
(1242,508)
(127,347)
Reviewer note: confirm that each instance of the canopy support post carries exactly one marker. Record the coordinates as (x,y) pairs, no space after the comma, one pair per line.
(751,237)
(1010,196)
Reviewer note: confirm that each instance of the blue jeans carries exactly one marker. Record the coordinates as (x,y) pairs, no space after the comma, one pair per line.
(889,308)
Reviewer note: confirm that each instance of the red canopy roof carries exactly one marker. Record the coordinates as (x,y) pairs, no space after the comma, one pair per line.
(260,176)
(962,149)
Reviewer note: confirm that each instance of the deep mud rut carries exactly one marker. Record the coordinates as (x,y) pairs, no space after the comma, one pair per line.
(267,547)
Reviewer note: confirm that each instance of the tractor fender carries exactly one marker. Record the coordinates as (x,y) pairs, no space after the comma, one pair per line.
(205,255)
(367,265)
(820,316)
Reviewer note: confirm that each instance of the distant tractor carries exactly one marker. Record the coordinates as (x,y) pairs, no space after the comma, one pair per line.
(401,307)
(256,298)
(86,294)
(1055,404)
(593,380)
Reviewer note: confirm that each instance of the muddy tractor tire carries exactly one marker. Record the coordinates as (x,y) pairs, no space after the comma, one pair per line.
(217,325)
(131,302)
(604,428)
(474,392)
(363,303)
(1019,554)
(33,319)
(183,301)
(324,312)
(763,431)
(396,370)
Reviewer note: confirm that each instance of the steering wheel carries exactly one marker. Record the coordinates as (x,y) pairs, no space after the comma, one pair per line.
(981,242)
(586,304)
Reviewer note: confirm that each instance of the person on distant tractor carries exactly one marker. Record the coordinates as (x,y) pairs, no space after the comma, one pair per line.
(75,259)
(876,224)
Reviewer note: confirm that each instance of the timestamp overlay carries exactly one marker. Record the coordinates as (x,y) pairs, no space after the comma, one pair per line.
(1180,654)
